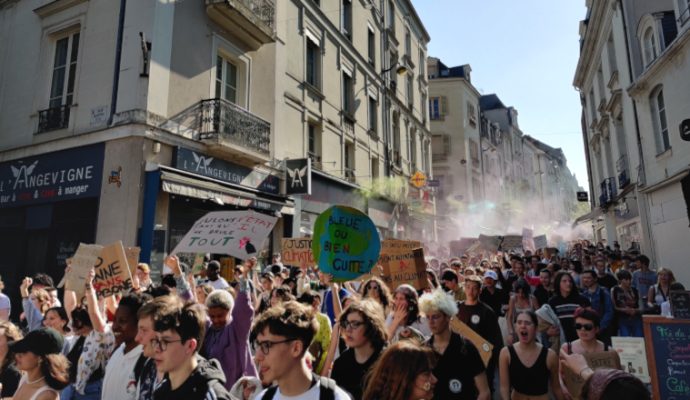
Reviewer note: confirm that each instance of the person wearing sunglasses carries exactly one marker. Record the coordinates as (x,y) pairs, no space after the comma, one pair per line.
(281,338)
(404,372)
(186,375)
(363,328)
(375,289)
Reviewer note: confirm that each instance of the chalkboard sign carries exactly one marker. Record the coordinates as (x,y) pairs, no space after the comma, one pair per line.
(680,304)
(668,352)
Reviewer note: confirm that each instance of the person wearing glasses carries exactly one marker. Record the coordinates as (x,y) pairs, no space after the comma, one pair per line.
(363,328)
(186,375)
(282,336)
(454,382)
(375,289)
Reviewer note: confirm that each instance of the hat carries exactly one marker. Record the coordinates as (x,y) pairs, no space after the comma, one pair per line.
(40,342)
(491,274)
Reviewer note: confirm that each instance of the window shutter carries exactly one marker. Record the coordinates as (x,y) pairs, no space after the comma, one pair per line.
(444,105)
(668,24)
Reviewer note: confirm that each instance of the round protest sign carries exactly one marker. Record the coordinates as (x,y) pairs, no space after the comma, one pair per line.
(345,243)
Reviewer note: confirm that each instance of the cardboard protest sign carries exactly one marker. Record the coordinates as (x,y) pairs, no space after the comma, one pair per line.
(392,246)
(633,356)
(484,347)
(345,243)
(540,242)
(603,359)
(460,247)
(511,242)
(227,268)
(84,259)
(528,239)
(240,234)
(490,243)
(112,271)
(297,252)
(404,267)
(132,254)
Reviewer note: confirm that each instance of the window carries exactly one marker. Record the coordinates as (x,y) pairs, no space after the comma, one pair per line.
(374,168)
(592,106)
(349,161)
(313,63)
(408,43)
(474,153)
(348,94)
(422,63)
(371,46)
(440,147)
(61,86)
(600,81)
(314,144)
(471,114)
(396,139)
(650,46)
(422,106)
(437,108)
(373,111)
(684,11)
(226,80)
(413,149)
(347,18)
(659,120)
(611,52)
(64,71)
(410,92)
(391,17)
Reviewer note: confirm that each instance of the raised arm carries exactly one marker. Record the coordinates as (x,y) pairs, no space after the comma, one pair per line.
(97,320)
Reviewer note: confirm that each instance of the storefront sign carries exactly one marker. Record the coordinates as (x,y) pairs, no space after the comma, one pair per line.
(202,164)
(64,175)
(298,176)
(346,243)
(240,234)
(297,252)
(666,342)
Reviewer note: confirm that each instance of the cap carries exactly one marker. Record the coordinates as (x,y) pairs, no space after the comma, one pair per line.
(491,274)
(40,342)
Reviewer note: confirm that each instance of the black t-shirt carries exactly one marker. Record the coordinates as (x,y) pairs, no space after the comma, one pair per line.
(456,369)
(542,294)
(349,374)
(9,377)
(495,300)
(608,281)
(482,320)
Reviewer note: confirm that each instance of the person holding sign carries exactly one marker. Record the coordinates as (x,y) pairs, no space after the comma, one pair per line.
(527,367)
(468,382)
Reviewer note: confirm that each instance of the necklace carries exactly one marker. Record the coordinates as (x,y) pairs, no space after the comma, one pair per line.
(36,381)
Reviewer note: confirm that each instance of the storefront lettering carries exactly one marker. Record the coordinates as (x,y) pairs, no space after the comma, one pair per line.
(24,178)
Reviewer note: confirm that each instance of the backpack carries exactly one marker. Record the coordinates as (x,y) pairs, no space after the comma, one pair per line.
(326,389)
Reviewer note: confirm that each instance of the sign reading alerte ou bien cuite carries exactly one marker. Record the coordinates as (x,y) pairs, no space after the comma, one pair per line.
(239,234)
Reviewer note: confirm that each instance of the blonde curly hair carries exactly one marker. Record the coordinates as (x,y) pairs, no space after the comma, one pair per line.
(438,300)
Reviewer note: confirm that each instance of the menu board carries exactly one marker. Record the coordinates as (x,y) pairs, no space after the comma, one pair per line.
(680,304)
(668,353)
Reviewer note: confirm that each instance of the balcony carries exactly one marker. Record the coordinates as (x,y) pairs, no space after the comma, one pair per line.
(623,172)
(350,175)
(608,192)
(53,119)
(253,21)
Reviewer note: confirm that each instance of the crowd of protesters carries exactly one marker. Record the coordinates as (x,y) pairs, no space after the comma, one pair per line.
(277,332)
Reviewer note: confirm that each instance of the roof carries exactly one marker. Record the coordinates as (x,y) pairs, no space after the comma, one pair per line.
(490,102)
(553,152)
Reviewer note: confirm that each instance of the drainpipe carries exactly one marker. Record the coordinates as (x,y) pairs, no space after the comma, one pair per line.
(641,170)
(118,59)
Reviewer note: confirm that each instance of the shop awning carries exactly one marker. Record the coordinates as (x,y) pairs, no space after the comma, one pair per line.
(590,216)
(190,185)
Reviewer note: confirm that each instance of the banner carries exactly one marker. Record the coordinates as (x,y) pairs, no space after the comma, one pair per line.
(511,242)
(112,271)
(84,259)
(239,234)
(404,267)
(490,243)
(297,252)
(459,247)
(527,239)
(603,359)
(633,356)
(540,242)
(392,246)
(484,347)
(346,243)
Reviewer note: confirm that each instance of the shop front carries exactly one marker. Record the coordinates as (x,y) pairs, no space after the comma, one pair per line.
(196,183)
(48,205)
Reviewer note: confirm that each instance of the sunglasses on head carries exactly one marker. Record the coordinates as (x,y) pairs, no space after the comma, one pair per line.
(587,327)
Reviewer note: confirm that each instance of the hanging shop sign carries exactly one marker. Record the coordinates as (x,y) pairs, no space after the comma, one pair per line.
(298,176)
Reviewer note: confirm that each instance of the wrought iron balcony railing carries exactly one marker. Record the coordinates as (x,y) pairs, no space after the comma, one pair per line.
(52,119)
(222,120)
(264,9)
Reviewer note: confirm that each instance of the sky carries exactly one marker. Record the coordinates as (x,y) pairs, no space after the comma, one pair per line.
(525,52)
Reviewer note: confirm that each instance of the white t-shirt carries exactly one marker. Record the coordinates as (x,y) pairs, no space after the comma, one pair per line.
(119,382)
(311,394)
(219,283)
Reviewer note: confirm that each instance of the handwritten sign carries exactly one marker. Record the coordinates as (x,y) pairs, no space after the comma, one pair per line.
(240,234)
(603,359)
(631,351)
(404,267)
(484,347)
(345,243)
(459,247)
(393,246)
(668,350)
(84,259)
(112,271)
(490,243)
(297,252)
(680,304)
(528,239)
(511,242)
(540,242)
